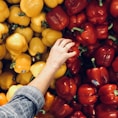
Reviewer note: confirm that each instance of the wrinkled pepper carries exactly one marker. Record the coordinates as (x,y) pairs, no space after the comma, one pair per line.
(4,10)
(98,76)
(87,94)
(104,55)
(16,44)
(13,1)
(60,109)
(22,63)
(77,114)
(27,32)
(6,80)
(53,3)
(57,18)
(108,111)
(49,36)
(96,13)
(16,16)
(36,46)
(108,94)
(33,8)
(24,78)
(75,6)
(66,88)
(38,23)
(84,36)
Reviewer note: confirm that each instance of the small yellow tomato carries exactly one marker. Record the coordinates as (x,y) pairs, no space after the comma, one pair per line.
(17,16)
(36,46)
(22,63)
(37,67)
(31,8)
(24,78)
(4,11)
(11,91)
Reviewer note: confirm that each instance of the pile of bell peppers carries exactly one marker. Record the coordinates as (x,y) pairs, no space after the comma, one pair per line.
(86,85)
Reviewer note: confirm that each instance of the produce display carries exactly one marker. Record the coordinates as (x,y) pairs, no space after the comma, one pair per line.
(86,86)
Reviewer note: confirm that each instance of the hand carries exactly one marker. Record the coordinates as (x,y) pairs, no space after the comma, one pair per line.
(59,53)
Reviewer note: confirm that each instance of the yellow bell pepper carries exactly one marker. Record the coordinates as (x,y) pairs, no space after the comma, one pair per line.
(2,51)
(13,1)
(16,44)
(11,91)
(49,36)
(27,32)
(52,3)
(22,63)
(3,29)
(38,23)
(24,78)
(61,71)
(17,16)
(31,8)
(1,66)
(4,11)
(6,80)
(37,67)
(36,46)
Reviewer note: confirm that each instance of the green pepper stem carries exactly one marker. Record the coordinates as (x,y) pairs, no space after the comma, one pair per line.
(116,92)
(100,3)
(110,26)
(112,38)
(21,14)
(77,29)
(93,62)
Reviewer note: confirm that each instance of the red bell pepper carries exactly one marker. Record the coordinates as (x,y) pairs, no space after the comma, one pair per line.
(66,88)
(76,20)
(104,55)
(102,31)
(77,114)
(106,111)
(108,94)
(113,76)
(115,64)
(60,109)
(96,13)
(57,18)
(98,76)
(114,8)
(87,94)
(86,35)
(75,6)
(115,25)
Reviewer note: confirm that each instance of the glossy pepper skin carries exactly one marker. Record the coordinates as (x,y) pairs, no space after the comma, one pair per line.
(104,55)
(75,6)
(108,111)
(60,109)
(96,14)
(98,76)
(57,18)
(66,88)
(108,94)
(114,8)
(84,34)
(78,114)
(87,94)
(76,20)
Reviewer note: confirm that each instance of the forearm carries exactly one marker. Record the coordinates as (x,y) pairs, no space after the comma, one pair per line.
(43,80)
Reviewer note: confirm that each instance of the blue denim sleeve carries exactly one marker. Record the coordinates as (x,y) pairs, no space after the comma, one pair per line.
(26,103)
